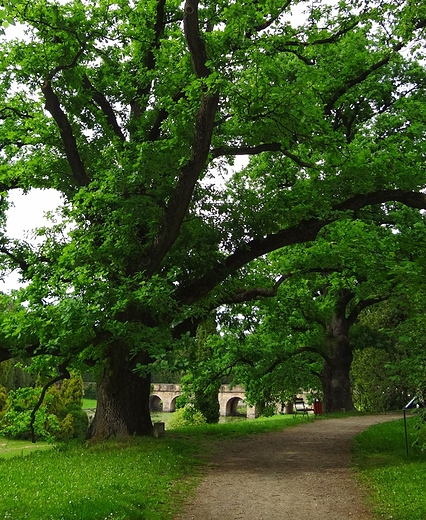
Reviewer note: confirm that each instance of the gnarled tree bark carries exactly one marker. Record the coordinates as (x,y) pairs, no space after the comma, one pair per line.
(123,397)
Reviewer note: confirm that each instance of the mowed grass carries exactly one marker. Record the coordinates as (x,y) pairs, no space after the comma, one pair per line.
(11,448)
(397,483)
(143,478)
(89,404)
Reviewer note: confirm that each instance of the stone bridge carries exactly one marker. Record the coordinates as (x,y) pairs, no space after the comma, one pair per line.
(164,395)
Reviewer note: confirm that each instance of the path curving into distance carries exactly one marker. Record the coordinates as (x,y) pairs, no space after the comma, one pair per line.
(300,473)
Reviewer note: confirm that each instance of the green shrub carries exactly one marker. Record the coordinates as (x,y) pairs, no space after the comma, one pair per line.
(60,417)
(66,429)
(91,391)
(373,388)
(3,399)
(80,421)
(187,416)
(268,410)
(72,390)
(73,426)
(16,420)
(420,427)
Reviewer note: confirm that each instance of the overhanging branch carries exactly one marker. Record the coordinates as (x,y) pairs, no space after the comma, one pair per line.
(305,231)
(364,304)
(255,150)
(245,295)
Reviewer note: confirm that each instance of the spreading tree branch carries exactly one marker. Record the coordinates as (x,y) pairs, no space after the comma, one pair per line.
(203,131)
(267,23)
(255,150)
(333,38)
(162,115)
(301,350)
(240,296)
(71,65)
(20,262)
(105,106)
(245,295)
(305,231)
(9,353)
(70,144)
(364,304)
(358,79)
(63,374)
(16,112)
(150,61)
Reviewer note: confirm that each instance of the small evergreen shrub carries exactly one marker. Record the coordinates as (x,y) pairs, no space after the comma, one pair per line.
(79,420)
(3,399)
(91,391)
(73,425)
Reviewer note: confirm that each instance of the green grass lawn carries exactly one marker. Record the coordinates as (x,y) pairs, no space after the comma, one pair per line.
(89,404)
(147,478)
(11,448)
(144,478)
(397,483)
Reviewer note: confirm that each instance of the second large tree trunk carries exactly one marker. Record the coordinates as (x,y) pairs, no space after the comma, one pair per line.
(336,381)
(123,399)
(335,374)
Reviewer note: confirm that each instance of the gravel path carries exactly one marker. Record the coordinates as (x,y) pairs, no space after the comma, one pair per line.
(300,473)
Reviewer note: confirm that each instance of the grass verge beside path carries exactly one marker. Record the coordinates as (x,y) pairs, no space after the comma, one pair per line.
(144,478)
(397,483)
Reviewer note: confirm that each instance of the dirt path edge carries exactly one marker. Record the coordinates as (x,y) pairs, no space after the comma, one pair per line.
(300,473)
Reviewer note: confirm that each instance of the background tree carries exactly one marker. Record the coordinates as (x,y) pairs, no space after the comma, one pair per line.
(128,111)
(328,286)
(12,375)
(200,385)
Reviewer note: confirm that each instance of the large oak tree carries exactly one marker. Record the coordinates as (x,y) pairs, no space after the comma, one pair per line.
(132,111)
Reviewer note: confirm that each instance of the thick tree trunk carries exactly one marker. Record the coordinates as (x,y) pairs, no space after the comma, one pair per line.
(335,374)
(336,381)
(123,399)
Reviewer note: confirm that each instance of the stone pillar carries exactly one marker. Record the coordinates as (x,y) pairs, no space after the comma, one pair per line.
(251,412)
(159,429)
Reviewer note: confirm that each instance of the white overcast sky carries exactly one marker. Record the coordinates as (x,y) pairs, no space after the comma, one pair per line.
(28,212)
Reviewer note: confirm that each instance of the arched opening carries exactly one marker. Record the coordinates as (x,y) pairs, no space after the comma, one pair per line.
(173,404)
(155,404)
(236,406)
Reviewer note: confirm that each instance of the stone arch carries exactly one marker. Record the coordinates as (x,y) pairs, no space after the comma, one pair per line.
(155,403)
(233,404)
(173,404)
